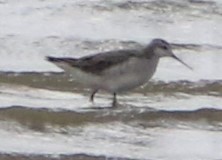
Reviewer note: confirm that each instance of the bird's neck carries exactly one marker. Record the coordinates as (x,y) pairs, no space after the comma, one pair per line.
(148,52)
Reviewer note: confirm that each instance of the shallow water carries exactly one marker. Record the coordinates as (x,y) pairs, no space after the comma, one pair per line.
(44,114)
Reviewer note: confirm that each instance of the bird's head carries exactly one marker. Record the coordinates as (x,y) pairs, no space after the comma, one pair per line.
(161,48)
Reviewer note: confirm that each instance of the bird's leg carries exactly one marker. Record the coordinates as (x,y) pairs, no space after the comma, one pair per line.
(93,94)
(114,100)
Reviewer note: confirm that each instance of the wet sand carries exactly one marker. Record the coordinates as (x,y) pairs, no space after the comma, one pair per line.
(48,157)
(45,114)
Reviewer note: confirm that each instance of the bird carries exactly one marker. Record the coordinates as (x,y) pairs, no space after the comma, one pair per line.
(117,71)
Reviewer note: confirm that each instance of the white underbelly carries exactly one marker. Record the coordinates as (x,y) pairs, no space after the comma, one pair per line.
(129,75)
(124,82)
(119,78)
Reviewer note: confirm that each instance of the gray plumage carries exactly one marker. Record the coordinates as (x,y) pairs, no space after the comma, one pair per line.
(96,64)
(119,70)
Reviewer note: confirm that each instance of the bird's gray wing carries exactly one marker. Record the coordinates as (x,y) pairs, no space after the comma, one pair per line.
(96,64)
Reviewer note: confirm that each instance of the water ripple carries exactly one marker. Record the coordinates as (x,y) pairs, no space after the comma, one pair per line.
(39,119)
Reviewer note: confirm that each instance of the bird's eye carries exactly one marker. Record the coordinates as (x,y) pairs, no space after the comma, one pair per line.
(164,47)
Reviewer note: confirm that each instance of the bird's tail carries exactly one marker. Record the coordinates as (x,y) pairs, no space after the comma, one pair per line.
(54,59)
(63,63)
(67,60)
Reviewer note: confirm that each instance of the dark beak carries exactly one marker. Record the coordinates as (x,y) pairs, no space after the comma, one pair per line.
(175,57)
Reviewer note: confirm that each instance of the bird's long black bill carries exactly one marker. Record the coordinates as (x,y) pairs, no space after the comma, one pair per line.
(175,57)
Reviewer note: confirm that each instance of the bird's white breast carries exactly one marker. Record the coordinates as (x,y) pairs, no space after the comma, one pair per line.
(121,77)
(128,75)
